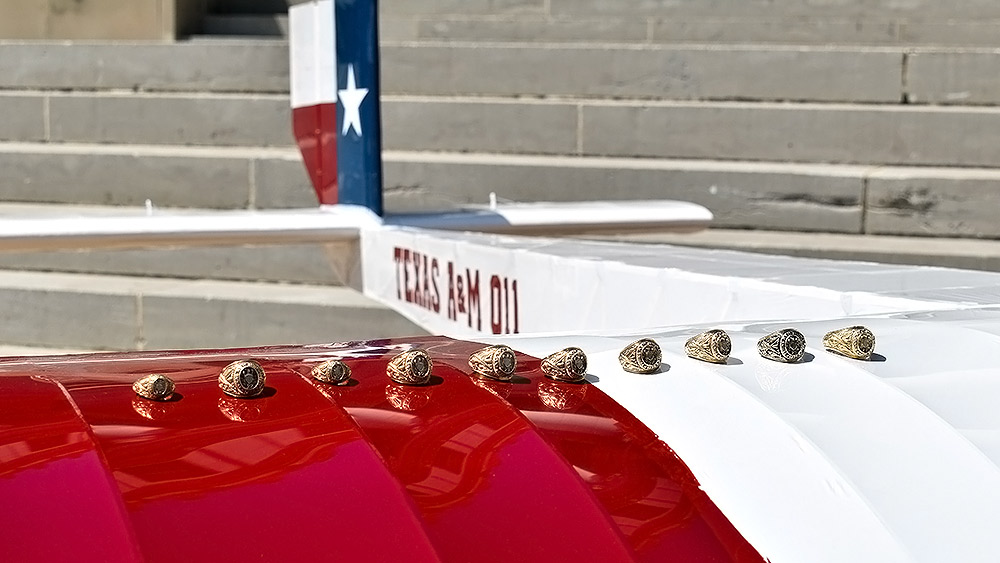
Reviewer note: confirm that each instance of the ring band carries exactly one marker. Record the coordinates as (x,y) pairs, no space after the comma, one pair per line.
(155,387)
(334,372)
(642,356)
(569,364)
(410,368)
(710,346)
(242,379)
(854,342)
(494,362)
(786,345)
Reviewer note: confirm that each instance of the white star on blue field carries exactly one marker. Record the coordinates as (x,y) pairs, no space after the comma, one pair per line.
(351,98)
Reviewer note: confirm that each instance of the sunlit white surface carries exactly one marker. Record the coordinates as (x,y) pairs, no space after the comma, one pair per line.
(833,459)
(566,217)
(572,286)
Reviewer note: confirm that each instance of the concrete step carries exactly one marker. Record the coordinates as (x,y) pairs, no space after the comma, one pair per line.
(844,22)
(298,263)
(962,253)
(840,133)
(190,118)
(258,25)
(654,71)
(777,195)
(203,66)
(639,29)
(555,124)
(169,176)
(695,72)
(915,9)
(98,312)
(706,71)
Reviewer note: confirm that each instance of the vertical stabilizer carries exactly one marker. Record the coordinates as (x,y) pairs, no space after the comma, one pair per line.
(335,100)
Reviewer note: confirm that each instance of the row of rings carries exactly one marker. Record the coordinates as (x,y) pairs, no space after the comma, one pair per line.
(245,378)
(787,345)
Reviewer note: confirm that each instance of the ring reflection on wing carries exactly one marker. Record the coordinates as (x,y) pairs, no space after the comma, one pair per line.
(239,410)
(407,398)
(561,396)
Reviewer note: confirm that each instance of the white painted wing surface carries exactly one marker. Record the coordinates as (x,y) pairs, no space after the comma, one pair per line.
(832,459)
(468,284)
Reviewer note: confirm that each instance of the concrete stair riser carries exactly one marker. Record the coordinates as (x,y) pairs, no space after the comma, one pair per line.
(843,133)
(278,264)
(967,76)
(201,66)
(696,72)
(806,197)
(170,119)
(683,73)
(837,29)
(169,176)
(917,9)
(922,9)
(123,313)
(837,198)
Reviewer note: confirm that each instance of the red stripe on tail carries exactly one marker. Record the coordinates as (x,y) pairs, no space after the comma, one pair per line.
(315,130)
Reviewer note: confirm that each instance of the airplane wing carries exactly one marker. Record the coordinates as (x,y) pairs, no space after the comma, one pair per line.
(151,228)
(469,284)
(781,449)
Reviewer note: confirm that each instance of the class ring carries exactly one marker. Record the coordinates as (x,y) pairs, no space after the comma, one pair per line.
(494,362)
(710,346)
(642,356)
(786,345)
(854,342)
(334,372)
(410,368)
(243,379)
(569,364)
(155,387)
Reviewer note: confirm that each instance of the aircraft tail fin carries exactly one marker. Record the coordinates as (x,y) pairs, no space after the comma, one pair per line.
(335,99)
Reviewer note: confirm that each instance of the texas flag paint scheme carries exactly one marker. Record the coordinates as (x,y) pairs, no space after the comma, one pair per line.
(334,96)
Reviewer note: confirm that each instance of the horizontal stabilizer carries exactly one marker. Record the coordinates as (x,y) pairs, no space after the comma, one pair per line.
(565,218)
(142,229)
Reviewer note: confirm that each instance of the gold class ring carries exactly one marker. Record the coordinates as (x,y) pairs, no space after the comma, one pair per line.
(242,379)
(494,362)
(854,342)
(710,346)
(786,345)
(642,356)
(569,364)
(335,372)
(410,368)
(156,387)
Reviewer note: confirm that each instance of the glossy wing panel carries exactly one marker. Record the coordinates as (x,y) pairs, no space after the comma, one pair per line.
(60,503)
(460,469)
(282,477)
(648,491)
(489,486)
